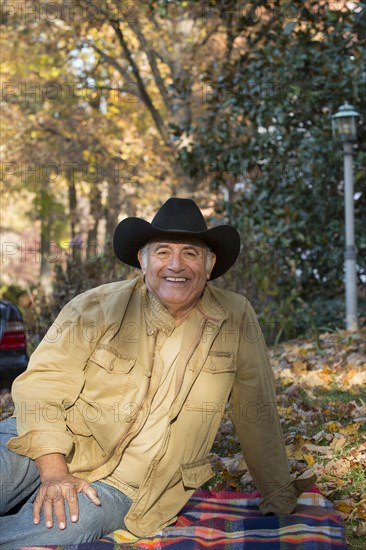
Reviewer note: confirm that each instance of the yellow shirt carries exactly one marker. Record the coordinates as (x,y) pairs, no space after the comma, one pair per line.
(142,449)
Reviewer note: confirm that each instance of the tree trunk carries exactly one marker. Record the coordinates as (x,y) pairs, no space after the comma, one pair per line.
(72,205)
(95,217)
(45,271)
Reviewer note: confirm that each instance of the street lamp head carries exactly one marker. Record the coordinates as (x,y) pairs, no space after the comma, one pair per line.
(344,123)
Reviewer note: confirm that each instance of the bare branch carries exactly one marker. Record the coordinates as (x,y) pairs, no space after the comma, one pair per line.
(150,54)
(144,95)
(152,18)
(230,37)
(112,61)
(208,35)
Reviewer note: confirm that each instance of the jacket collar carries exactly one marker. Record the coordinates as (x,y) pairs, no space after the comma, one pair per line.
(158,317)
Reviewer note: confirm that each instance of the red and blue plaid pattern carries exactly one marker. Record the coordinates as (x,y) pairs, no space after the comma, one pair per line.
(232,521)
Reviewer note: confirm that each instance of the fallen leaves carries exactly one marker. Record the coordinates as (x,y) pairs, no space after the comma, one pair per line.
(359,411)
(360,530)
(337,358)
(323,449)
(337,467)
(322,404)
(6,404)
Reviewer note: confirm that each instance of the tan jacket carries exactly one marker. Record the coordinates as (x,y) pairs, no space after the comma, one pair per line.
(87,392)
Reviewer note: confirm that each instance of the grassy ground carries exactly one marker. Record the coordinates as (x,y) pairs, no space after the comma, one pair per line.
(321,388)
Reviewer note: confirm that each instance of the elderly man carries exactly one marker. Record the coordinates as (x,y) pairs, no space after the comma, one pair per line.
(121,402)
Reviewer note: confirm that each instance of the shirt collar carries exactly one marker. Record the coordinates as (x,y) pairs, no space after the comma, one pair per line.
(158,317)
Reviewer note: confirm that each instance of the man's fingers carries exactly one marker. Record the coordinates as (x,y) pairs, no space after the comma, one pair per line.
(59,509)
(37,505)
(43,500)
(52,495)
(72,499)
(51,498)
(91,493)
(47,512)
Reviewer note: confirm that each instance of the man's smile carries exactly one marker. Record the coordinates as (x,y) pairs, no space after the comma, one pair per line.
(171,279)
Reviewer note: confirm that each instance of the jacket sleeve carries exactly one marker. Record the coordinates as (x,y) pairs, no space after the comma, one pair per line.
(54,379)
(254,414)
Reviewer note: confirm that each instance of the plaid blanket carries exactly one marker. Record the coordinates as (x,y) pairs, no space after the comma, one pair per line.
(232,521)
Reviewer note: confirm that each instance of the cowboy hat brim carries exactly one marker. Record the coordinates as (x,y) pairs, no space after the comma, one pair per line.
(133,233)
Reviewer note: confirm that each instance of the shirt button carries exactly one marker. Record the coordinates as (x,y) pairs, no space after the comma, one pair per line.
(150,331)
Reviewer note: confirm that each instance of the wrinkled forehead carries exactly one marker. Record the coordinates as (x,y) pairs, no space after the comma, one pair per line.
(187,241)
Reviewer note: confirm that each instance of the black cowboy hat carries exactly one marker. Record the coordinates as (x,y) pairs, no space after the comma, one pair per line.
(177,218)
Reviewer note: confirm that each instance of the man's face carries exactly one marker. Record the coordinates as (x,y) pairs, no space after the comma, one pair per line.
(175,272)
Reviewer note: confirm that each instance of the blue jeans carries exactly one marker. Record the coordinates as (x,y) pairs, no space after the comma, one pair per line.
(18,489)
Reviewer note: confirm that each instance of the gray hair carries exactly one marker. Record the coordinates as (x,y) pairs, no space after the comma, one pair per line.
(145,251)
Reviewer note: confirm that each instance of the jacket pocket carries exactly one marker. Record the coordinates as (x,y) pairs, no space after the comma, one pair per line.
(111,360)
(197,473)
(109,376)
(220,362)
(75,420)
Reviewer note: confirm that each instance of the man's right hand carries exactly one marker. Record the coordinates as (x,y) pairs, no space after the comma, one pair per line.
(57,487)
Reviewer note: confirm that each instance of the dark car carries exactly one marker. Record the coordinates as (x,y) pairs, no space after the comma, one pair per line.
(13,345)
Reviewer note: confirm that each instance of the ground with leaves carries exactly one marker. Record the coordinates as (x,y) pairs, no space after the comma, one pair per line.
(321,387)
